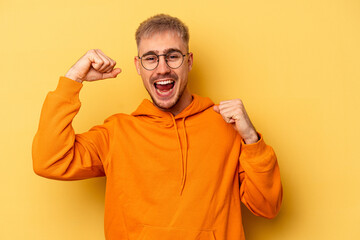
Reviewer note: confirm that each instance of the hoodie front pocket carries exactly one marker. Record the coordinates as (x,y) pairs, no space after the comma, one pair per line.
(162,233)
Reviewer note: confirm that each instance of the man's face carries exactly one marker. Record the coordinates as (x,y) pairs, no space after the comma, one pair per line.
(164,84)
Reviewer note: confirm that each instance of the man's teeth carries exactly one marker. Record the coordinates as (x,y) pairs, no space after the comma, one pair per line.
(164,82)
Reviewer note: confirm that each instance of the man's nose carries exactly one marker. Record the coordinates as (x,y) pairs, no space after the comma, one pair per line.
(162,67)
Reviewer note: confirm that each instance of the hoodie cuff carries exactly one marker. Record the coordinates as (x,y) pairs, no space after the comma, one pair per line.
(257,156)
(68,88)
(251,151)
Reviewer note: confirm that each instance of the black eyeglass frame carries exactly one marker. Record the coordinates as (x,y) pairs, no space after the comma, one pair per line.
(158,59)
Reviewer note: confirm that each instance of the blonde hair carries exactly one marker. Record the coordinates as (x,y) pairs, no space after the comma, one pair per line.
(162,23)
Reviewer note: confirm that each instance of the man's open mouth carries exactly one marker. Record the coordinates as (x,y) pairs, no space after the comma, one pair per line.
(164,86)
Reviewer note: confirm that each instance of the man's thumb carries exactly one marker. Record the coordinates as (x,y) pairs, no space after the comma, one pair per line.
(112,74)
(216,108)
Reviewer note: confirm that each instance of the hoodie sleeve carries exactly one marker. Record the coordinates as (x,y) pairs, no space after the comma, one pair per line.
(59,153)
(261,189)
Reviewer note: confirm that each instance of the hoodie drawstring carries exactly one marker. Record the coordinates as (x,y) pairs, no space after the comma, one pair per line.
(183,161)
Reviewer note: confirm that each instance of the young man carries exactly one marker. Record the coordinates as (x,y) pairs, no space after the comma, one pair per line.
(177,167)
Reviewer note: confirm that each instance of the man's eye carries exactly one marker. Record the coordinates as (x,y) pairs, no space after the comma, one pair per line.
(150,58)
(173,56)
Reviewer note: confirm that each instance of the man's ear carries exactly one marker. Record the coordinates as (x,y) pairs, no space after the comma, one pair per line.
(190,61)
(137,64)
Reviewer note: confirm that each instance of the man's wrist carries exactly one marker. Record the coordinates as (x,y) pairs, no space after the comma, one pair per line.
(77,80)
(67,75)
(253,138)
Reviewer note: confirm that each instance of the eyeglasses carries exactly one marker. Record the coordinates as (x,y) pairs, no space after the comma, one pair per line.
(173,59)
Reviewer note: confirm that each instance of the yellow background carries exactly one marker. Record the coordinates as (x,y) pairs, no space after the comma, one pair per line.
(295,64)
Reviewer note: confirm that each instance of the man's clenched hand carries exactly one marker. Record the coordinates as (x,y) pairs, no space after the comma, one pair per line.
(234,113)
(94,65)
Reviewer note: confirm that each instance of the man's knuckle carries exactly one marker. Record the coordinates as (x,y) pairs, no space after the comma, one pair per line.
(99,62)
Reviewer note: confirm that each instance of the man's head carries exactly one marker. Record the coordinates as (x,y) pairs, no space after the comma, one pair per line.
(163,61)
(162,23)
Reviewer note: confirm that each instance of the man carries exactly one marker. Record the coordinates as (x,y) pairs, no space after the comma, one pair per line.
(177,167)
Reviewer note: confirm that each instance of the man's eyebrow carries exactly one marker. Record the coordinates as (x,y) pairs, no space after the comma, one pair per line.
(149,53)
(171,50)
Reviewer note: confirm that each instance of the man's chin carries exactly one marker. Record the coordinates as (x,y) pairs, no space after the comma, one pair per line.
(165,101)
(164,105)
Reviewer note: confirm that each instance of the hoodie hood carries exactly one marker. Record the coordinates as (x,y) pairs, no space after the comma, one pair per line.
(148,109)
(149,112)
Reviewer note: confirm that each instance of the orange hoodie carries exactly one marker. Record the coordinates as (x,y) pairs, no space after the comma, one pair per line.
(168,178)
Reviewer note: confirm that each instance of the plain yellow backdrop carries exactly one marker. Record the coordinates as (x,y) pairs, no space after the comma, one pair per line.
(295,64)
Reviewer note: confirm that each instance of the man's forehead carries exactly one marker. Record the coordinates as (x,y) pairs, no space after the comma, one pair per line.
(162,42)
